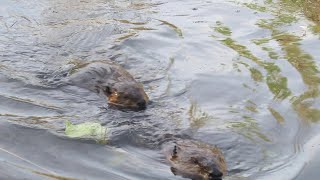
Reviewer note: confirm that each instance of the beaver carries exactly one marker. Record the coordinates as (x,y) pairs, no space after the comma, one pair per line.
(188,158)
(195,160)
(110,79)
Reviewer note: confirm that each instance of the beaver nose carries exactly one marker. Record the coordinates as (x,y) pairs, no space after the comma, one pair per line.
(142,104)
(215,175)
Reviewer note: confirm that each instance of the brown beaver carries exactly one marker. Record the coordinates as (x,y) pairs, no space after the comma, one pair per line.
(188,158)
(121,89)
(195,160)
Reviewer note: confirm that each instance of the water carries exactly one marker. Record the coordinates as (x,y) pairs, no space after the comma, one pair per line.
(236,74)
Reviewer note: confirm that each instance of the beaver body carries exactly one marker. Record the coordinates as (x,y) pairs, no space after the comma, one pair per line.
(110,79)
(188,158)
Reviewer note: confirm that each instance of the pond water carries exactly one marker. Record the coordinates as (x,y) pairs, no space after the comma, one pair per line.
(242,75)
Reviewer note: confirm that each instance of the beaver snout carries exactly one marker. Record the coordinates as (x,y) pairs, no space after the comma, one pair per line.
(142,104)
(215,174)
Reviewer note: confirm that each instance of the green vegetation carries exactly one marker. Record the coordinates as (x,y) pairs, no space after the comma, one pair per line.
(241,49)
(260,41)
(275,81)
(288,8)
(256,74)
(252,107)
(315,29)
(309,7)
(86,130)
(306,66)
(303,62)
(250,129)
(256,7)
(276,115)
(271,53)
(284,14)
(222,29)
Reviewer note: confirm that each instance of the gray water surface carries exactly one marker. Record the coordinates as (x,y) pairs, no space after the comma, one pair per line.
(242,75)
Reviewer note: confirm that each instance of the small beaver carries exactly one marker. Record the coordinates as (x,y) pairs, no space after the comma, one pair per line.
(195,160)
(121,89)
(188,158)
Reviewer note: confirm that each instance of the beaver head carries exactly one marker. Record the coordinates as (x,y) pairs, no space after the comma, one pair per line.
(127,95)
(195,160)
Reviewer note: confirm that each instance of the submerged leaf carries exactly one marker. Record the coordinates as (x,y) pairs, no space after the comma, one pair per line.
(86,130)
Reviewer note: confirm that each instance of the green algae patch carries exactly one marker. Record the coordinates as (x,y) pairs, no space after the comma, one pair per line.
(229,42)
(284,15)
(250,129)
(256,74)
(284,19)
(285,39)
(252,107)
(89,130)
(272,55)
(276,115)
(286,11)
(255,6)
(306,112)
(265,24)
(300,60)
(308,70)
(275,81)
(273,23)
(311,10)
(304,108)
(240,49)
(315,29)
(277,84)
(260,41)
(220,28)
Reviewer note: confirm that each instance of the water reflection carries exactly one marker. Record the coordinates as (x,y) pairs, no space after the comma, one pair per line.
(276,82)
(197,117)
(300,60)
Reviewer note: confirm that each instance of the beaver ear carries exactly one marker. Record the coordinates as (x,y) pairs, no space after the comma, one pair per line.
(107,90)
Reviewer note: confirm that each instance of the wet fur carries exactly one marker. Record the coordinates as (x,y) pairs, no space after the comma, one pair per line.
(110,79)
(94,76)
(195,160)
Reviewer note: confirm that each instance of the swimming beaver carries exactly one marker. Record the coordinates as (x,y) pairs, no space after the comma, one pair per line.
(120,88)
(195,160)
(188,158)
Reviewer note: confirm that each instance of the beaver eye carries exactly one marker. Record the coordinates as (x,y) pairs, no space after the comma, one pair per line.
(108,90)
